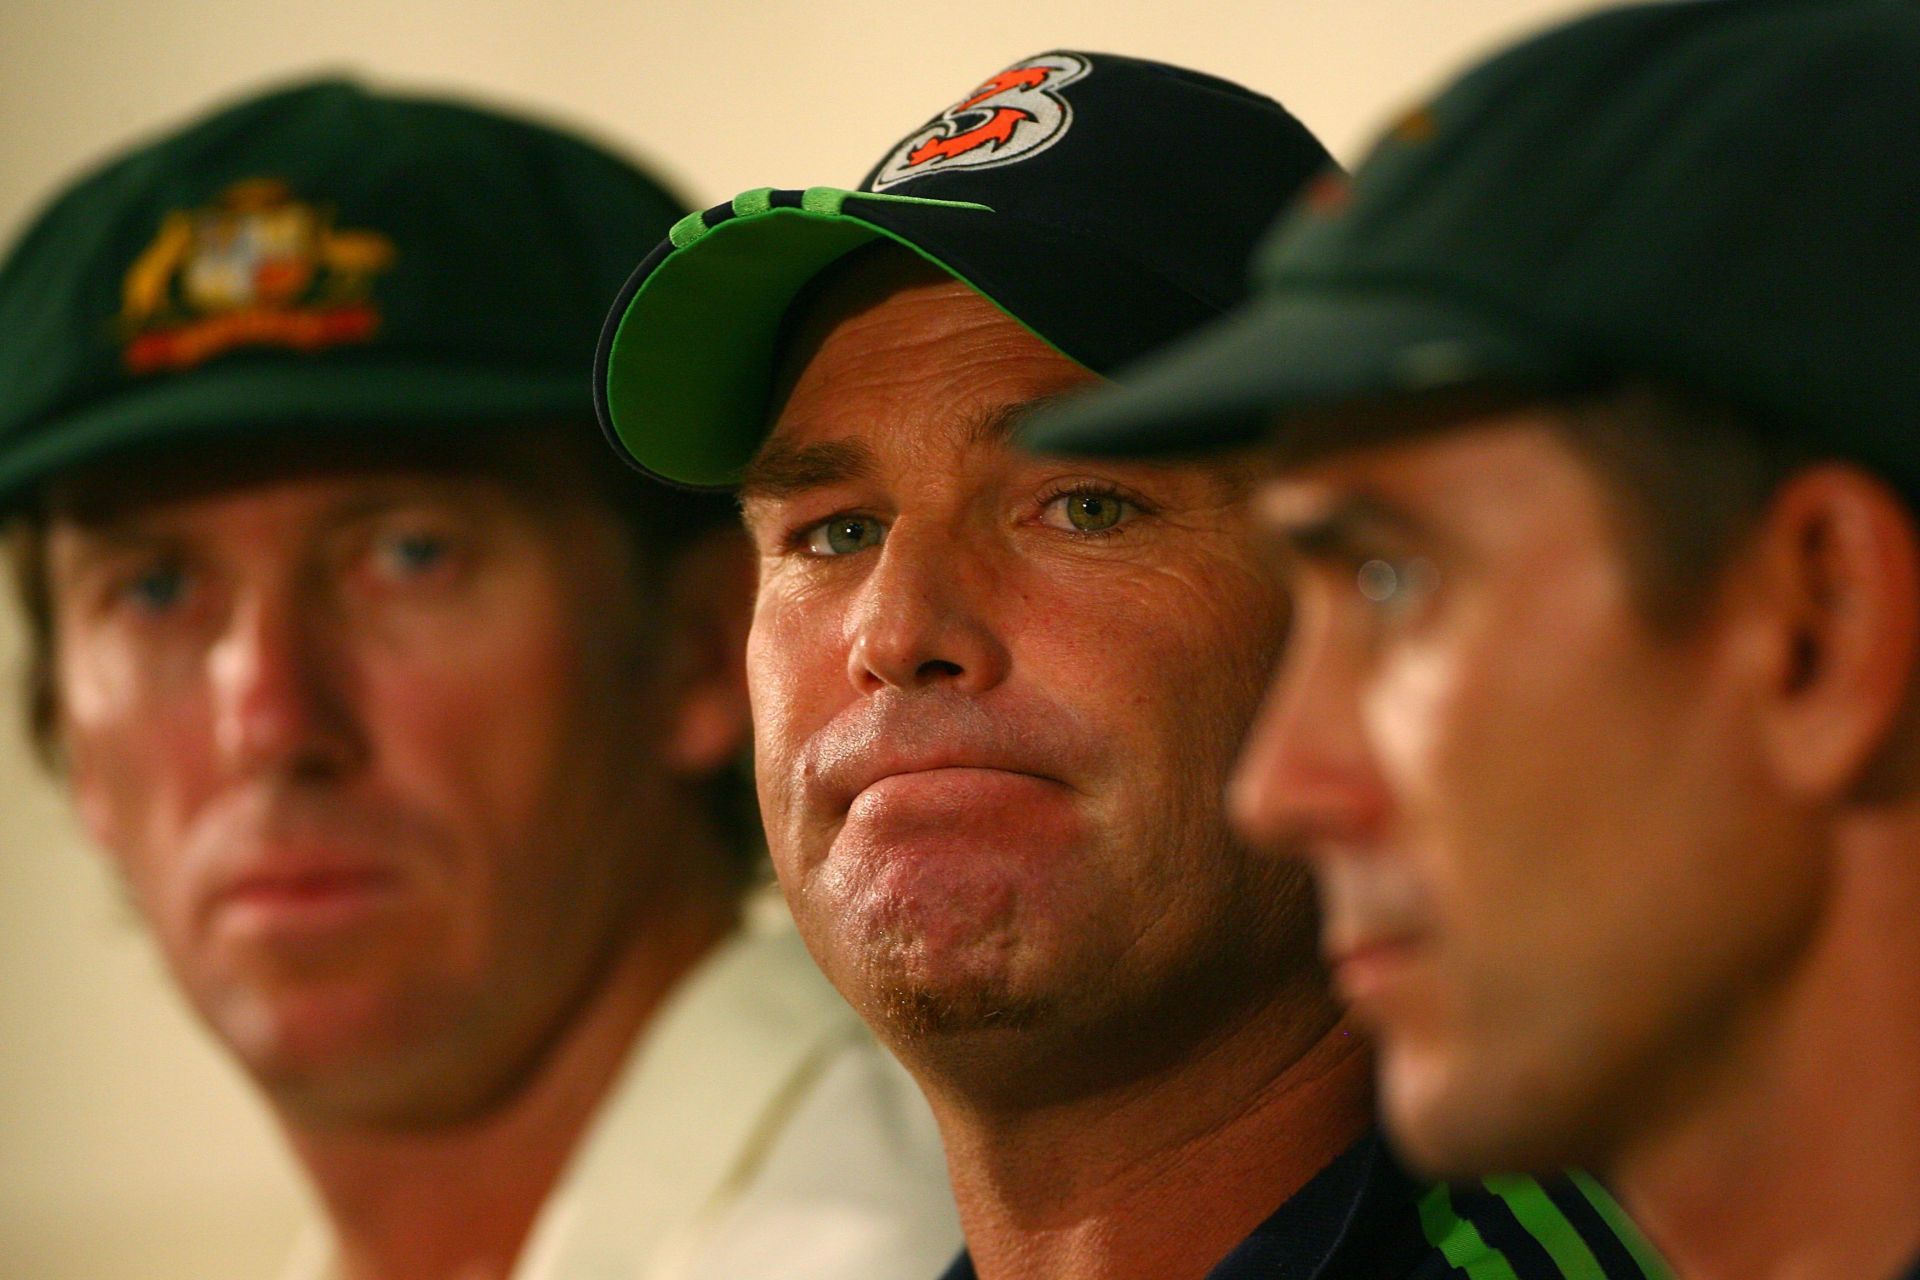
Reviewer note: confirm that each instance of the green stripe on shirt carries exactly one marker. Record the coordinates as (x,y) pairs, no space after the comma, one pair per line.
(1624,1227)
(1459,1241)
(1544,1222)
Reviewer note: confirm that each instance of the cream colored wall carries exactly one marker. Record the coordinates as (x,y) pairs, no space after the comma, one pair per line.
(128,1148)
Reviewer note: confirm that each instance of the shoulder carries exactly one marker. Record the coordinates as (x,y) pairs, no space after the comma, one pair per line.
(1519,1228)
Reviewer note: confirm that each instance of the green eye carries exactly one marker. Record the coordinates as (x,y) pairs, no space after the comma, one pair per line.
(844,535)
(1087,512)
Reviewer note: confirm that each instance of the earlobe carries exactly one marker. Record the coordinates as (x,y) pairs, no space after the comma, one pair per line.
(1843,556)
(710,599)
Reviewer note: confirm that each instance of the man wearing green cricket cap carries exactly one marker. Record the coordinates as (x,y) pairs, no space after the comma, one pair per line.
(411,721)
(996,698)
(1593,400)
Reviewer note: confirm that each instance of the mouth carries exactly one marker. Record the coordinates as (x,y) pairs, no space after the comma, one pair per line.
(945,779)
(1369,971)
(946,774)
(305,901)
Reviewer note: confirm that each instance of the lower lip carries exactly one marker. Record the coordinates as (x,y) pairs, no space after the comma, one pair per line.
(309,904)
(1371,973)
(954,801)
(966,811)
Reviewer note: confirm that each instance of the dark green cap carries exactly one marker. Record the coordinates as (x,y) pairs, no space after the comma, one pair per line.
(318,259)
(1720,194)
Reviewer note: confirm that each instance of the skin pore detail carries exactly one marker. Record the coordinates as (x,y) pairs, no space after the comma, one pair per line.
(996,700)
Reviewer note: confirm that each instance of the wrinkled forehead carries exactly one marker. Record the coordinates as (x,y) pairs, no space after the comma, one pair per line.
(891,357)
(834,305)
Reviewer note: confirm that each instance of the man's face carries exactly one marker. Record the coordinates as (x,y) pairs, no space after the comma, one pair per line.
(377,750)
(1550,871)
(996,698)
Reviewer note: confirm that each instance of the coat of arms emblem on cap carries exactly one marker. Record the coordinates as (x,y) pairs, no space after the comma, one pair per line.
(1007,118)
(257,267)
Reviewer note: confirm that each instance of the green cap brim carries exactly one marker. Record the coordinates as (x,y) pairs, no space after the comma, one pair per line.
(1222,387)
(327,399)
(686,367)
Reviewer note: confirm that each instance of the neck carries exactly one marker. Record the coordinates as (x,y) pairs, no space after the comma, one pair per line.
(458,1202)
(1795,1154)
(1158,1179)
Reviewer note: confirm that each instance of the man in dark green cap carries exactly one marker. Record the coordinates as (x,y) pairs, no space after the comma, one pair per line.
(1592,402)
(996,697)
(410,720)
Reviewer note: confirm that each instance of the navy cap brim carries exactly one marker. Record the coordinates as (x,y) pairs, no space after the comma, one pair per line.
(1222,387)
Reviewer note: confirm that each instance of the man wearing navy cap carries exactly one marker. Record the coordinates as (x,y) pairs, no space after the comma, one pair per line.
(409,718)
(1594,405)
(996,697)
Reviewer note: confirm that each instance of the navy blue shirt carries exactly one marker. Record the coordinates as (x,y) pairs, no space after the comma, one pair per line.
(1364,1218)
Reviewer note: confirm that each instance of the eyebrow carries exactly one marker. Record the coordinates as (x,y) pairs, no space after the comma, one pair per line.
(782,469)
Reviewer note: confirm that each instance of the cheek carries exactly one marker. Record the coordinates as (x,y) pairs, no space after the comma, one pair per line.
(796,681)
(486,730)
(136,729)
(1172,664)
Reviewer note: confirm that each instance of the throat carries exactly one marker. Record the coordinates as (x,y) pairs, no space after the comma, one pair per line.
(1105,1186)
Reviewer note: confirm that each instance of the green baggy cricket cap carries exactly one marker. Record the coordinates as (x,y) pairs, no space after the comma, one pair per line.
(1107,203)
(319,259)
(1719,194)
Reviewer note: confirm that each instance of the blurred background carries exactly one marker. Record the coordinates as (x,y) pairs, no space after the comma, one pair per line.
(128,1146)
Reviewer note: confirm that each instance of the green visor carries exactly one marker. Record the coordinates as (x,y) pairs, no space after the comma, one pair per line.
(685,367)
(1286,350)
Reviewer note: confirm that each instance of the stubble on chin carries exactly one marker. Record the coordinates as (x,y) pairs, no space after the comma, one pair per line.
(916,1012)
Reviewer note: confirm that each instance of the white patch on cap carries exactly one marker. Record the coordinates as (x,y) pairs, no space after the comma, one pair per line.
(1008,118)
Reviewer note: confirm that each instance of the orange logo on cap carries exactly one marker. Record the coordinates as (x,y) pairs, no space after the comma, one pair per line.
(1011,116)
(255,268)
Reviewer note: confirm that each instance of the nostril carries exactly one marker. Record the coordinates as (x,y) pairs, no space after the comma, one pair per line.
(938,667)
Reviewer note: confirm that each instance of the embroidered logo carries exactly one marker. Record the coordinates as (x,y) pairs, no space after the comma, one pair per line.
(1014,115)
(255,268)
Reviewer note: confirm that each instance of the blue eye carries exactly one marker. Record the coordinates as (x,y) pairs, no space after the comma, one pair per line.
(412,554)
(157,589)
(1396,584)
(844,535)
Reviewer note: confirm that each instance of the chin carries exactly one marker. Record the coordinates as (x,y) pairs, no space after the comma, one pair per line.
(920,1010)
(1455,1118)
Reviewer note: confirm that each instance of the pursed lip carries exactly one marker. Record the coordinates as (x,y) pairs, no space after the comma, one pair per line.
(857,778)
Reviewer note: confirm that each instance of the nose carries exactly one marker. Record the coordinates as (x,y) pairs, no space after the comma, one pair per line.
(1306,779)
(278,700)
(923,618)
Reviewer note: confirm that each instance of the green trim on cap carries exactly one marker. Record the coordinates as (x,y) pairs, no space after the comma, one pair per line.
(690,364)
(688,229)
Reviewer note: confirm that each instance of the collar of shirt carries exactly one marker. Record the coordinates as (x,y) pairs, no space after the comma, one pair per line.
(1350,1222)
(1364,1218)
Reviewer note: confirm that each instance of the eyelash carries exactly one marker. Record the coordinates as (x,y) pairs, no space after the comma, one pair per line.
(1095,489)
(795,538)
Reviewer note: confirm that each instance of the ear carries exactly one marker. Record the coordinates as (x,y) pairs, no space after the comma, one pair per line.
(1840,571)
(708,605)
